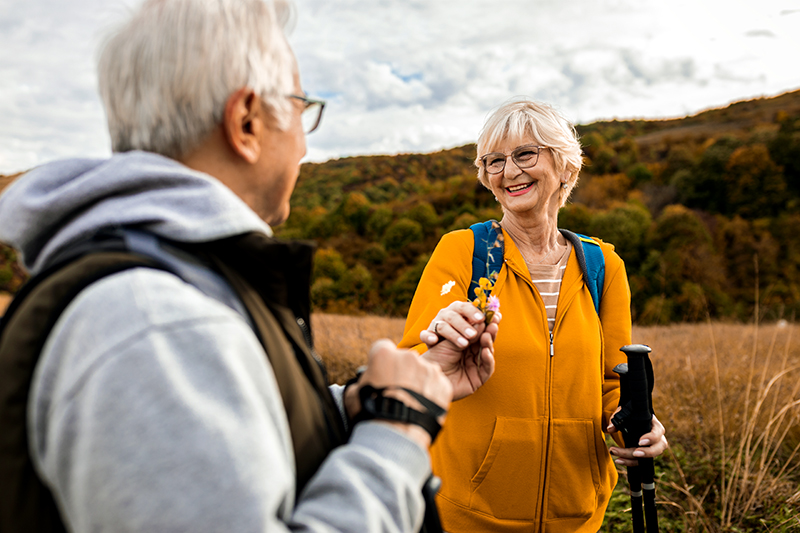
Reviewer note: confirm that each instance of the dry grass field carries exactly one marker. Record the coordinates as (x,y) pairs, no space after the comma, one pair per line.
(343,341)
(729,395)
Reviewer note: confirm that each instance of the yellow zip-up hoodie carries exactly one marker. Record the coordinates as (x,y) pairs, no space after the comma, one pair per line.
(527,452)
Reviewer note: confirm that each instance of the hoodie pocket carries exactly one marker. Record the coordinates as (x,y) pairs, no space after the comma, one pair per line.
(507,484)
(574,474)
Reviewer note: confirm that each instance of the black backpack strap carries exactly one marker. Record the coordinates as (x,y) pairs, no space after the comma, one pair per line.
(26,504)
(592,264)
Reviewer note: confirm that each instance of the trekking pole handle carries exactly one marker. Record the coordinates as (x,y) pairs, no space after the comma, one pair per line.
(639,383)
(634,420)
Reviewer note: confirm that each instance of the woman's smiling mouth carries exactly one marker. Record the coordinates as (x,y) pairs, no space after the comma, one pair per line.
(516,190)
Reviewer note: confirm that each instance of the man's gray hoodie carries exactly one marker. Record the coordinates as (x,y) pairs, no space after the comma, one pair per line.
(153,406)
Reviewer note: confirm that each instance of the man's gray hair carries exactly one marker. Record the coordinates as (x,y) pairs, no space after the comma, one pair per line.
(523,119)
(166,74)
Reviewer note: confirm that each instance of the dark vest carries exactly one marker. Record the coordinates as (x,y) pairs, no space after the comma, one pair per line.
(272,279)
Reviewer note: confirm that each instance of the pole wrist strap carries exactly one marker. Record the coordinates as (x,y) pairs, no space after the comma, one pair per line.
(374,405)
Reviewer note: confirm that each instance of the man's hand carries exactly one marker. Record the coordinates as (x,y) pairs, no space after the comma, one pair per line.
(463,346)
(651,444)
(389,366)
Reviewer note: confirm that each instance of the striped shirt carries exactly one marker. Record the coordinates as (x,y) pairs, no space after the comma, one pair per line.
(547,279)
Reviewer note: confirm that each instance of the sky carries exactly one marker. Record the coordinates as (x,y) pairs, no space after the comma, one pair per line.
(422,75)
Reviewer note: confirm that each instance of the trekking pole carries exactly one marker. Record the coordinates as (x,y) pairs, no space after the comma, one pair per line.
(634,420)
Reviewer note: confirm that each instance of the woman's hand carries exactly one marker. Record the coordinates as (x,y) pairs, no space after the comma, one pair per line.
(651,444)
(460,323)
(469,365)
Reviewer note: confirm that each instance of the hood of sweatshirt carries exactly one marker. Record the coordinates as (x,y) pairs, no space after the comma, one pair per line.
(55,204)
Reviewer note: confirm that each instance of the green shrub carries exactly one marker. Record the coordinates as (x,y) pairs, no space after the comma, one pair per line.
(378,221)
(374,254)
(463,221)
(402,233)
(425,215)
(328,263)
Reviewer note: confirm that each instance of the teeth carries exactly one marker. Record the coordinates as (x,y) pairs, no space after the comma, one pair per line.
(516,188)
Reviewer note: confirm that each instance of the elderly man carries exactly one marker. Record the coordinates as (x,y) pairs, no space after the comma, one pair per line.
(177,390)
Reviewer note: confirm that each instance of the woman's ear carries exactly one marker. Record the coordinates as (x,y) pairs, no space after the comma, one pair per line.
(243,124)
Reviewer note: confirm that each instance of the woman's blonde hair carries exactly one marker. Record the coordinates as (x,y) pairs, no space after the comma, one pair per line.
(524,119)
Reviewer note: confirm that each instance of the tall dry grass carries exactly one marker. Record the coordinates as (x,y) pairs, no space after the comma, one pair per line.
(729,396)
(343,341)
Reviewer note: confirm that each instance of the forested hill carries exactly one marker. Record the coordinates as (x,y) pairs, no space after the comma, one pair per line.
(705,211)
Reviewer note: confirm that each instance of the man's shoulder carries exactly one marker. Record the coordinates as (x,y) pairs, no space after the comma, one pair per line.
(132,324)
(125,305)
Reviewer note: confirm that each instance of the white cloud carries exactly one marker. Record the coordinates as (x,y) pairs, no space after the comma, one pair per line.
(48,99)
(591,59)
(420,75)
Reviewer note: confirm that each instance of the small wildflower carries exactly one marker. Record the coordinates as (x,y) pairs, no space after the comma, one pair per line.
(447,286)
(492,306)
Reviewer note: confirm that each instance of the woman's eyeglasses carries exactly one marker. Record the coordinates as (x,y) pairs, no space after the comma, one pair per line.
(523,156)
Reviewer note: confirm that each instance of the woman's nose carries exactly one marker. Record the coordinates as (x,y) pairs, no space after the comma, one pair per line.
(511,169)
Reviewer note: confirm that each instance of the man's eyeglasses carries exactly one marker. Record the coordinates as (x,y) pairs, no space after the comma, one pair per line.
(524,156)
(312,114)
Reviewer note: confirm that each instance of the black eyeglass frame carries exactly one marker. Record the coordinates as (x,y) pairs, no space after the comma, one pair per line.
(512,155)
(310,103)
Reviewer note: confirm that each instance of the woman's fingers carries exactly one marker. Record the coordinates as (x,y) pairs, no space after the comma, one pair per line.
(459,334)
(459,322)
(429,338)
(654,443)
(651,444)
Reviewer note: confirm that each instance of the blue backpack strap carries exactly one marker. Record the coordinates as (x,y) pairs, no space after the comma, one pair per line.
(483,234)
(592,263)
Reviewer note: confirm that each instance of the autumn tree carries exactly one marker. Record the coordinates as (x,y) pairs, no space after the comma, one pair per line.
(705,186)
(754,182)
(750,256)
(625,227)
(683,277)
(784,150)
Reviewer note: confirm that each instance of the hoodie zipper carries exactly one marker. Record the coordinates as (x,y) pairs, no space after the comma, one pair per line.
(549,394)
(551,371)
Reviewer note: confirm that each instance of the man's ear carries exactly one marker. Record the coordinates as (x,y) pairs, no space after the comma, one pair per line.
(243,123)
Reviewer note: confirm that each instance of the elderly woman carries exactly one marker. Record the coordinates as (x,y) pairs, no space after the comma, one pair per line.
(527,451)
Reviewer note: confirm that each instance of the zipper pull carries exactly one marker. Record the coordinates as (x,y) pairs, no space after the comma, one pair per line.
(309,342)
(551,344)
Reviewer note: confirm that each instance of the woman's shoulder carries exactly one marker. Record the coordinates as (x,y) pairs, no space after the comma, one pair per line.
(460,239)
(610,256)
(609,251)
(453,255)
(611,260)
